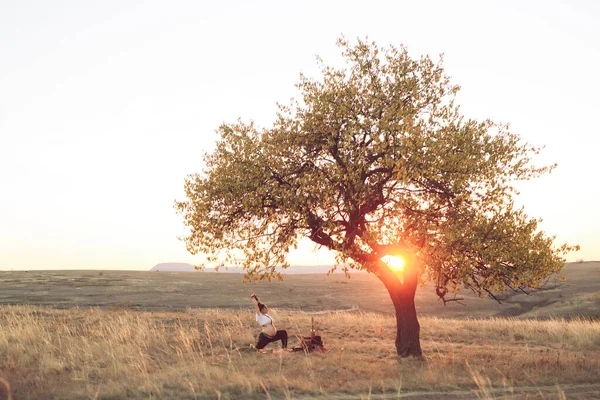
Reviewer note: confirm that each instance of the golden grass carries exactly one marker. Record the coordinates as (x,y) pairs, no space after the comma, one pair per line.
(198,354)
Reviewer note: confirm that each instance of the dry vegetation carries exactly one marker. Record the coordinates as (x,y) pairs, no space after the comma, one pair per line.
(124,334)
(203,353)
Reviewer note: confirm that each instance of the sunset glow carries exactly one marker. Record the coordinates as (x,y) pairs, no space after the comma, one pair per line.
(395,263)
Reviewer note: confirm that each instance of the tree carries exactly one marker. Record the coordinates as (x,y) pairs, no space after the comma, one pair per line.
(375,160)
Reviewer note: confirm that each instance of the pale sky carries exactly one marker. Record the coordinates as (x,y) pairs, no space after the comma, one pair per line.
(106,106)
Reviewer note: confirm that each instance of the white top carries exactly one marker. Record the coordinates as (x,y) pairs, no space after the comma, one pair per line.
(264,319)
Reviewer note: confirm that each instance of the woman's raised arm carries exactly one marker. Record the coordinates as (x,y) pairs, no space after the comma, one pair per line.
(254,298)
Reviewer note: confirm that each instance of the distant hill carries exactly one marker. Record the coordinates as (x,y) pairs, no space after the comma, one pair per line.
(174,267)
(293,270)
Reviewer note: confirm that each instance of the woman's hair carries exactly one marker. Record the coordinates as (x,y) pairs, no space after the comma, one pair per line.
(261,306)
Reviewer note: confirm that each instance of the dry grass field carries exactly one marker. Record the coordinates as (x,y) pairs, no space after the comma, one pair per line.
(203,354)
(121,335)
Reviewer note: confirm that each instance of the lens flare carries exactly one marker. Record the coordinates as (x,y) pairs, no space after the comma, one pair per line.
(394,262)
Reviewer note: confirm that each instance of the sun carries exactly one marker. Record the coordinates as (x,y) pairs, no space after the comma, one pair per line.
(394,262)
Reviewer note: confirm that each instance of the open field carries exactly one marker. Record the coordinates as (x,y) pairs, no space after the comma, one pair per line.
(578,296)
(203,354)
(116,335)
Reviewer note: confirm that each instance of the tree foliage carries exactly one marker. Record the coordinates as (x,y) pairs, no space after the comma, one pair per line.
(374,159)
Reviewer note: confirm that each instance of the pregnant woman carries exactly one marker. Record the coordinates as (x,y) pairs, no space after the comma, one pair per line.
(268,333)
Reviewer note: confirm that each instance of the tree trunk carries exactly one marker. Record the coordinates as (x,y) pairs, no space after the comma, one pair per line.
(402,293)
(408,342)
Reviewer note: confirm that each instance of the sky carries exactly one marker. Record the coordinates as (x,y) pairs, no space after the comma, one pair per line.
(106,106)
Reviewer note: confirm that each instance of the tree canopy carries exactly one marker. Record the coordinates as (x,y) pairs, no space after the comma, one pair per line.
(375,159)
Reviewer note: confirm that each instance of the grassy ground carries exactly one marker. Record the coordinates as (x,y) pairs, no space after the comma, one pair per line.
(203,354)
(578,296)
(118,334)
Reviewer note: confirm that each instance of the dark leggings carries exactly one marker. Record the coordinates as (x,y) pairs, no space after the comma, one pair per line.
(264,340)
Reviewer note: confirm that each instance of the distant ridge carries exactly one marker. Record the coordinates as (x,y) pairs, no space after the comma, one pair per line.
(174,267)
(293,270)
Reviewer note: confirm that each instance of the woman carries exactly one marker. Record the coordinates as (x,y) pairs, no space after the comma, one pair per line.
(268,333)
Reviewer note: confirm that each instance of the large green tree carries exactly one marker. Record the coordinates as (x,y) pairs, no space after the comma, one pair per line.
(375,159)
